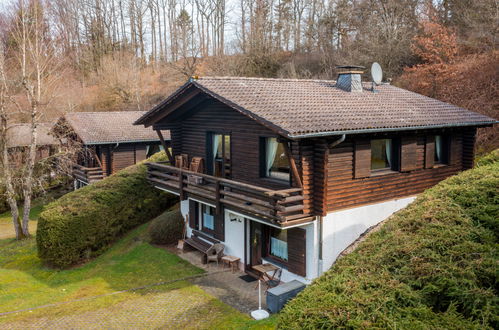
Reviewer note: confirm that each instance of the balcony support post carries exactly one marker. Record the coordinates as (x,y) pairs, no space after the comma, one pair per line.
(218,208)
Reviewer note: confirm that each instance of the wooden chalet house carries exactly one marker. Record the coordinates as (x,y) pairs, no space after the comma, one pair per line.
(19,140)
(291,172)
(107,142)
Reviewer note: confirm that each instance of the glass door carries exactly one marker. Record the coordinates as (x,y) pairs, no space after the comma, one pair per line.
(221,155)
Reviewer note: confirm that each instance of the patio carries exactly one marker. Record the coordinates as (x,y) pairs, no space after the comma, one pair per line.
(225,285)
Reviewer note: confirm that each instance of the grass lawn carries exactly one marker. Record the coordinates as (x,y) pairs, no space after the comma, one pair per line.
(130,263)
(7,228)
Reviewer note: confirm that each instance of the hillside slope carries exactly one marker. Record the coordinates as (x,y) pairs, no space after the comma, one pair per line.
(432,265)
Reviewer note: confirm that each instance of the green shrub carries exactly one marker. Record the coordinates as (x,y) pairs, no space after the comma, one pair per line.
(488,159)
(432,265)
(167,228)
(83,223)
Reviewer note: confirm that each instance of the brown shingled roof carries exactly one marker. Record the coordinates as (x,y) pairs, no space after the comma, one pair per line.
(298,108)
(110,127)
(19,135)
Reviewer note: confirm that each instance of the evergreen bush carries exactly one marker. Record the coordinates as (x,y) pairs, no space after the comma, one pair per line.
(83,223)
(167,228)
(432,265)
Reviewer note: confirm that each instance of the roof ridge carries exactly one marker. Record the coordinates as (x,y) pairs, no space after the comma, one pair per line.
(93,112)
(264,79)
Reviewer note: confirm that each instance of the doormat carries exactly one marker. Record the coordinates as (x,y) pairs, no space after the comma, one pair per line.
(247,278)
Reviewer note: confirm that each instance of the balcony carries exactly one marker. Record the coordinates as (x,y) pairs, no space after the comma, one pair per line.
(283,207)
(87,175)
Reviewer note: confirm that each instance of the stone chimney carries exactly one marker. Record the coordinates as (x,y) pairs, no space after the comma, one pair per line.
(349,78)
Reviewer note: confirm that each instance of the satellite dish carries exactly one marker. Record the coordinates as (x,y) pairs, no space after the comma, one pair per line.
(376,73)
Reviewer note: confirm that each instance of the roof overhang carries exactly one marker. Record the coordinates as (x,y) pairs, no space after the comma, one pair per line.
(391,129)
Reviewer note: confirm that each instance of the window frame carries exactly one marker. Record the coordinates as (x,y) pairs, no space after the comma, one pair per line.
(263,162)
(210,157)
(445,152)
(210,232)
(394,154)
(267,253)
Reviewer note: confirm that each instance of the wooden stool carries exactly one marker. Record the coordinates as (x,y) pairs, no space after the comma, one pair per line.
(231,261)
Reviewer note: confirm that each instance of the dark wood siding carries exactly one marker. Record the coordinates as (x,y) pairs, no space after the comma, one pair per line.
(219,227)
(320,177)
(297,262)
(345,189)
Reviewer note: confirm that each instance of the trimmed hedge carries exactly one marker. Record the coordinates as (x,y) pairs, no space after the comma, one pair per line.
(433,265)
(83,223)
(167,228)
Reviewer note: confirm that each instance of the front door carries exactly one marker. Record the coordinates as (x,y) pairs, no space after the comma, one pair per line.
(256,243)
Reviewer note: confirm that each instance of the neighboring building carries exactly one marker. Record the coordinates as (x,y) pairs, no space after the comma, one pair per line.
(108,142)
(297,170)
(19,140)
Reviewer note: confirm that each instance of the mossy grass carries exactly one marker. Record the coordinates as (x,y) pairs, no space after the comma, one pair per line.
(432,265)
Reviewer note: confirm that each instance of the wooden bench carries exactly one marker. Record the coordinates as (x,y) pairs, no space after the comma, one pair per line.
(201,244)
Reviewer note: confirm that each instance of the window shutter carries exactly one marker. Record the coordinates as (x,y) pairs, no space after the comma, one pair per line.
(429,157)
(297,240)
(193,214)
(362,159)
(220,226)
(408,157)
(455,149)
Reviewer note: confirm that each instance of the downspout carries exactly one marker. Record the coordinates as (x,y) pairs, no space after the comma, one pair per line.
(336,142)
(321,218)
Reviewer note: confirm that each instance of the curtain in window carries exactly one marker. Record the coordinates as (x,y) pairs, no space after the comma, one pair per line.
(217,138)
(208,221)
(161,148)
(279,248)
(148,147)
(388,147)
(438,147)
(270,149)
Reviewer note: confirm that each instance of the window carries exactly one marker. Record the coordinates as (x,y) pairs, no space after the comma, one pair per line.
(382,155)
(208,217)
(276,163)
(152,149)
(220,155)
(278,246)
(441,150)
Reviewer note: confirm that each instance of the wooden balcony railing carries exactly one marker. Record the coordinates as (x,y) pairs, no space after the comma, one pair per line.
(87,175)
(274,205)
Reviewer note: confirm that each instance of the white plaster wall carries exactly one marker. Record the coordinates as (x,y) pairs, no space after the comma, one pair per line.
(184,210)
(234,235)
(342,228)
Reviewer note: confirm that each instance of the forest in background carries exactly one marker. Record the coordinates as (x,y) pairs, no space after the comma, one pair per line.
(103,55)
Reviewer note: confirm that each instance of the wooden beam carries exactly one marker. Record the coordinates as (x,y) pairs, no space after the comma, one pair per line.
(294,169)
(163,143)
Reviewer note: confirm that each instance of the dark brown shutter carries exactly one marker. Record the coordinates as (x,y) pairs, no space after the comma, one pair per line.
(297,242)
(408,154)
(362,159)
(469,148)
(429,157)
(193,214)
(219,226)
(140,153)
(455,149)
